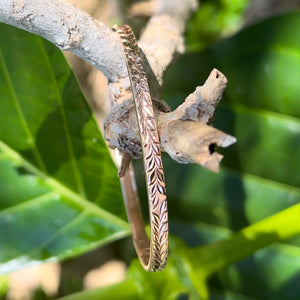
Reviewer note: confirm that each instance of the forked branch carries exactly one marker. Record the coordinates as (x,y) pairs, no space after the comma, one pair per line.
(185,133)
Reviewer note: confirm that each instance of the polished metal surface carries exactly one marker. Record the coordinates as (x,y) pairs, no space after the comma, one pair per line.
(152,253)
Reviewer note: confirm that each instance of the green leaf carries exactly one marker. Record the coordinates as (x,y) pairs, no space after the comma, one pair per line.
(270,273)
(261,174)
(261,64)
(125,290)
(59,192)
(226,198)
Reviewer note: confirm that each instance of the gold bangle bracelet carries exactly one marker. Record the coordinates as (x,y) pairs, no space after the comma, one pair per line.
(152,253)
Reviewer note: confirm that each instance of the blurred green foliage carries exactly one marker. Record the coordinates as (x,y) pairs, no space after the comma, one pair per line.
(213,20)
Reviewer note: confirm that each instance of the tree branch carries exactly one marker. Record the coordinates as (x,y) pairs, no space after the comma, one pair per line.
(74,30)
(163,35)
(160,41)
(184,133)
(69,29)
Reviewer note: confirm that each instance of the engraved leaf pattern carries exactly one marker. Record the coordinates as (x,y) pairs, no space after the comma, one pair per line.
(151,151)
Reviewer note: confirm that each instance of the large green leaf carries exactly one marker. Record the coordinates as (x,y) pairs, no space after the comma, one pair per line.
(261,64)
(59,192)
(257,188)
(261,174)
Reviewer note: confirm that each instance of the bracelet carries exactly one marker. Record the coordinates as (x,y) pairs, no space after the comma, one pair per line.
(152,253)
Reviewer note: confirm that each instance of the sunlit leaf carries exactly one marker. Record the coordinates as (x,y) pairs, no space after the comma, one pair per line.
(59,193)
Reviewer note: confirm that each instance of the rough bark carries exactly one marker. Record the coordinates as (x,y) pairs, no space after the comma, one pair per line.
(185,133)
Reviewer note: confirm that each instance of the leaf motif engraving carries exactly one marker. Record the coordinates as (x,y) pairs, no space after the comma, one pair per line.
(151,151)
